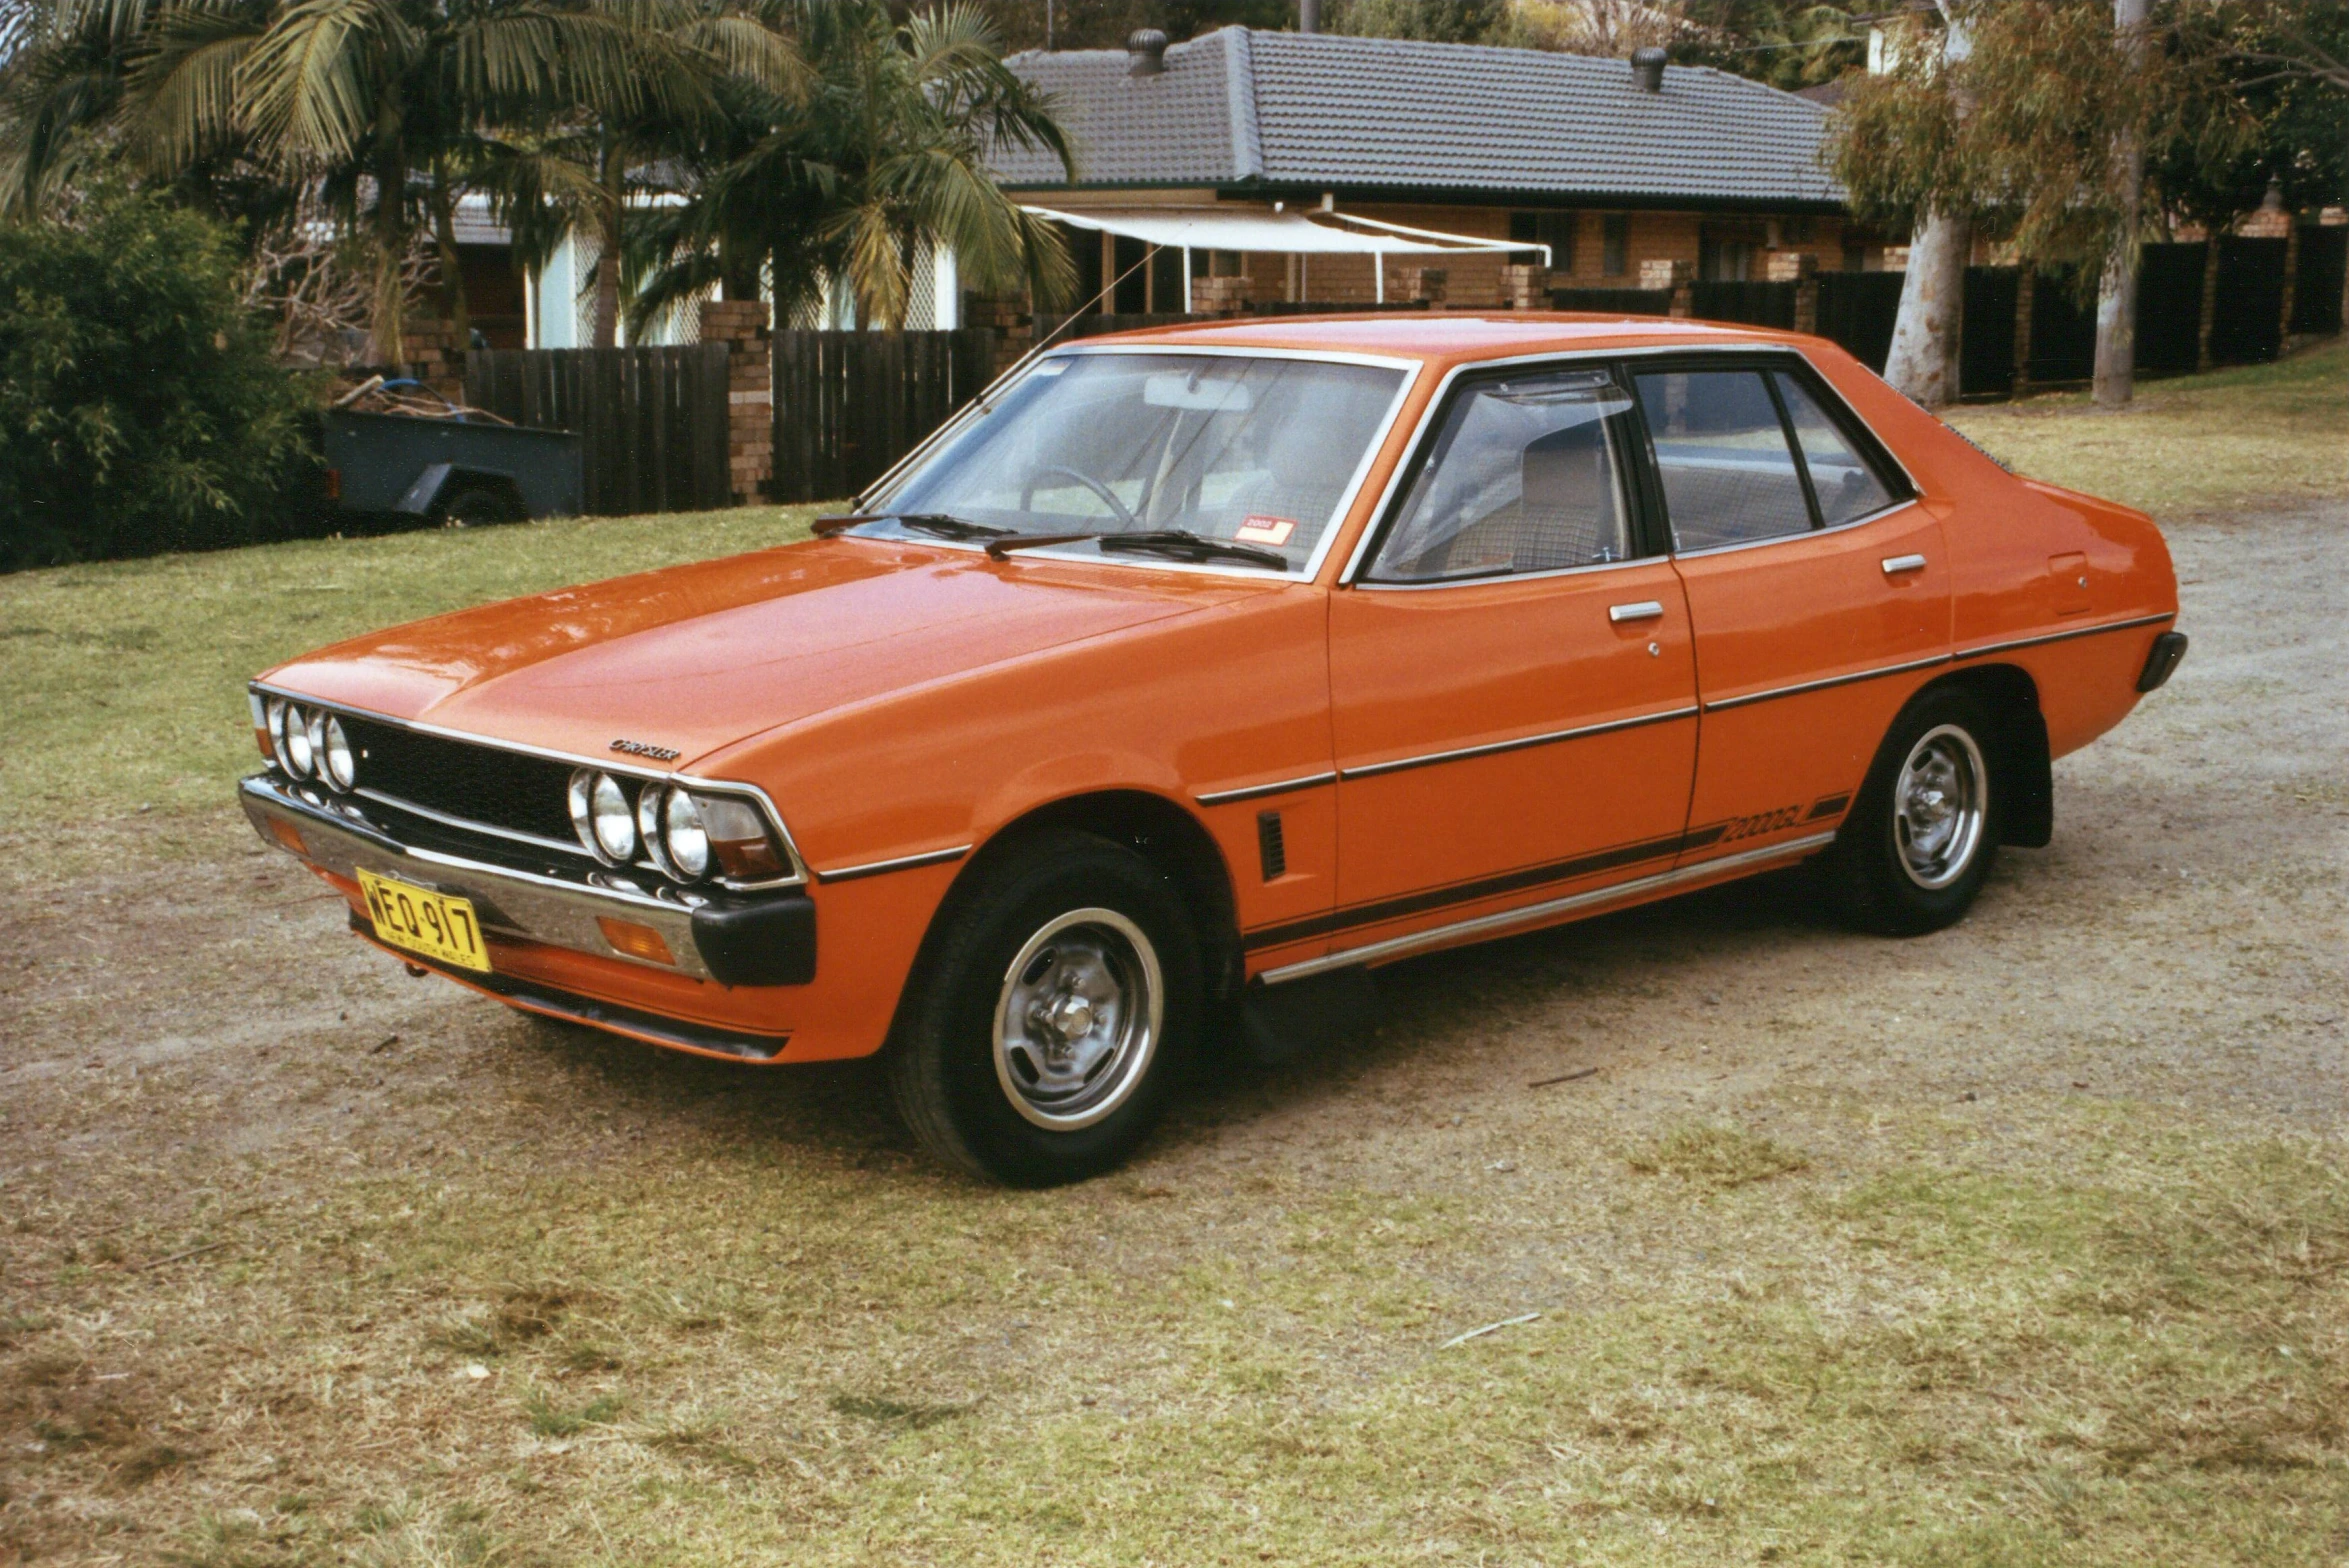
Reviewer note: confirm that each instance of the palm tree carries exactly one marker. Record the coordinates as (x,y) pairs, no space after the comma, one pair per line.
(882,152)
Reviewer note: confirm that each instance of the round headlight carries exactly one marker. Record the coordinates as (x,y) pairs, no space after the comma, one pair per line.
(682,833)
(337,761)
(613,823)
(648,825)
(301,756)
(277,728)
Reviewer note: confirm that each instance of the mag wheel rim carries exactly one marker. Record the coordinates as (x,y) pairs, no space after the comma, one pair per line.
(1078,1019)
(1940,807)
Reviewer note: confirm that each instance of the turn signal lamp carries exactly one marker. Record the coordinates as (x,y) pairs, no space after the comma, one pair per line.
(636,941)
(738,839)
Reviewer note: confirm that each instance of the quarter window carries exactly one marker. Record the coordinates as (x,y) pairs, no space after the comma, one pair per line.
(1523,477)
(1729,477)
(1847,488)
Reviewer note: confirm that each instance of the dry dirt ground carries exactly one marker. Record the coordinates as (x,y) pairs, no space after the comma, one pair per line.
(301,1259)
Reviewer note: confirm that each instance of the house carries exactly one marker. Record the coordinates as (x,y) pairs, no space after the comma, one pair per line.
(1626,171)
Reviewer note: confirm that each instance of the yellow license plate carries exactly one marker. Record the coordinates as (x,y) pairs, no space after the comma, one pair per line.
(432,924)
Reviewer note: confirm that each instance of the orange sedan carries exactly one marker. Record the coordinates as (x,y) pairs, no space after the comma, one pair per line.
(1191,665)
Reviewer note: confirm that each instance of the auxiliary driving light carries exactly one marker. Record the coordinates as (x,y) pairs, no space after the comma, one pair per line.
(600,815)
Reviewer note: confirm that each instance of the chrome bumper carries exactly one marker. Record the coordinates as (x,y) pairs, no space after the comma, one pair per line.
(510,903)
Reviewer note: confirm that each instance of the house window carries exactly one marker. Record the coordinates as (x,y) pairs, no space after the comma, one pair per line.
(1615,244)
(1554,229)
(1226,264)
(1724,261)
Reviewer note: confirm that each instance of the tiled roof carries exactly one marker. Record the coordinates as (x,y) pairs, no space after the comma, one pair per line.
(1241,106)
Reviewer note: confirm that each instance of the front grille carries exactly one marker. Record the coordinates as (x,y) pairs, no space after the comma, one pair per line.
(501,789)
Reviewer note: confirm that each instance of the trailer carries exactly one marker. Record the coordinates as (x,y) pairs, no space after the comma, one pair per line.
(461,468)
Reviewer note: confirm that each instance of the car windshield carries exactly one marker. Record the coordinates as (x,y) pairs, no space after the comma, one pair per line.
(1252,454)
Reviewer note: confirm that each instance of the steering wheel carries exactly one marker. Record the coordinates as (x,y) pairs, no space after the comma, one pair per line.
(1124,514)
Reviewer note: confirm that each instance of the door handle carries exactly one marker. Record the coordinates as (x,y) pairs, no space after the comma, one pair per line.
(1645,610)
(1895,565)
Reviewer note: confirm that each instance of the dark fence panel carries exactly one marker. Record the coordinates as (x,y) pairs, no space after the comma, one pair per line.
(850,404)
(2247,327)
(2063,329)
(2316,292)
(652,420)
(2169,306)
(1986,346)
(1857,310)
(1614,302)
(1750,304)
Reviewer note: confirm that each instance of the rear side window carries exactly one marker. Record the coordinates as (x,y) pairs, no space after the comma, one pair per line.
(1522,478)
(1729,476)
(1847,488)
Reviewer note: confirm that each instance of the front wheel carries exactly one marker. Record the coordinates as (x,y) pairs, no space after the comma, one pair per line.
(1055,1010)
(1919,841)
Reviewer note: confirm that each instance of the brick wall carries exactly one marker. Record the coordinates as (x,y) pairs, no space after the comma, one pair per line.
(750,392)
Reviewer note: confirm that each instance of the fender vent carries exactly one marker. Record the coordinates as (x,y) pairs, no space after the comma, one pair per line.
(1270,847)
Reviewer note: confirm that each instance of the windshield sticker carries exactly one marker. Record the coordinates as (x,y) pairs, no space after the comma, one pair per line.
(1259,529)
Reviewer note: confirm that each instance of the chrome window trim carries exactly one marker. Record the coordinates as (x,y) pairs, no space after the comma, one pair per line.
(1308,571)
(1523,743)
(1512,577)
(1878,515)
(798,878)
(1526,914)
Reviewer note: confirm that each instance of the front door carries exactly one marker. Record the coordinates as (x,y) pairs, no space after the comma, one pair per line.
(1819,592)
(1511,672)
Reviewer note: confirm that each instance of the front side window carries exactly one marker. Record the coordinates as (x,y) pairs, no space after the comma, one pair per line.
(1523,477)
(1252,451)
(1728,474)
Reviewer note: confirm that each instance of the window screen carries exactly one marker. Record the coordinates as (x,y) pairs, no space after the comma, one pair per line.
(1522,478)
(1722,454)
(1847,487)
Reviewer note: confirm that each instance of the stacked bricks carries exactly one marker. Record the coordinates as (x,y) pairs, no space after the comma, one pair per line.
(741,325)
(1430,284)
(1676,276)
(430,352)
(1525,285)
(1801,269)
(1010,322)
(1219,296)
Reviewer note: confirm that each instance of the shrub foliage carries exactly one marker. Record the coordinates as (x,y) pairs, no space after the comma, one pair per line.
(140,410)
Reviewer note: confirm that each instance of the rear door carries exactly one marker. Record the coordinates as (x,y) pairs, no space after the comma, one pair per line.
(1513,693)
(1817,587)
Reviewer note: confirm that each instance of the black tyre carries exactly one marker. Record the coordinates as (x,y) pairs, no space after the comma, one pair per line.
(1920,839)
(1053,1013)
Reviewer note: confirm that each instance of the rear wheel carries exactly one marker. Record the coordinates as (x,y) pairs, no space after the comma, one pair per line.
(1057,1007)
(1920,839)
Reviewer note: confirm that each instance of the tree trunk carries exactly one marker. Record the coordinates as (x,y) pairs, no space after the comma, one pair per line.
(2116,300)
(452,272)
(2209,313)
(385,323)
(1925,335)
(607,261)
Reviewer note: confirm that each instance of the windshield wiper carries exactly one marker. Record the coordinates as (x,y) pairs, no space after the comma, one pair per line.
(1186,545)
(1178,542)
(942,524)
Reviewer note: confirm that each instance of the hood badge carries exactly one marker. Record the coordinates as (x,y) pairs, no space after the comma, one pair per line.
(637,748)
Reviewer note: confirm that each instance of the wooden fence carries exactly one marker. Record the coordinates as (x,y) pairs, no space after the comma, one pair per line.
(653,419)
(849,404)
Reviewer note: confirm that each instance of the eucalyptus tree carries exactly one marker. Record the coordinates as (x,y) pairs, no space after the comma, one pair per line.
(880,151)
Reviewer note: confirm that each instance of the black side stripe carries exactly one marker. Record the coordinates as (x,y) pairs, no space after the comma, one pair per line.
(1988,649)
(1827,806)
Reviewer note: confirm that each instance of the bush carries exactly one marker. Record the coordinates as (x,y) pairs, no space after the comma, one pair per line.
(140,410)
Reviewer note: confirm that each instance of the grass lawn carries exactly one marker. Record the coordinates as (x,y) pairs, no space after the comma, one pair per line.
(2016,1245)
(2261,433)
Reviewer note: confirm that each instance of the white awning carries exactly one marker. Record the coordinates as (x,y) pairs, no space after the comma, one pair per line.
(1287,233)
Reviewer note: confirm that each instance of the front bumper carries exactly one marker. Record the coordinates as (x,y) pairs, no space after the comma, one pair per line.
(734,939)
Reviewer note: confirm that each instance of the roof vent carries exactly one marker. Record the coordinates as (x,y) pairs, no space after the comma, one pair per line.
(1145,52)
(1647,69)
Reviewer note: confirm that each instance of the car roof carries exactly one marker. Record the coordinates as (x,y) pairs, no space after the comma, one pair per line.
(1453,335)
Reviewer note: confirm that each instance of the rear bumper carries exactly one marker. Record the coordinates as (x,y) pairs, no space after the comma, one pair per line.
(733,939)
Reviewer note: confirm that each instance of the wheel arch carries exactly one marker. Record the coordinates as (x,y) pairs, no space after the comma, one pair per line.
(1154,827)
(2027,820)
